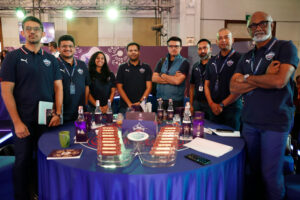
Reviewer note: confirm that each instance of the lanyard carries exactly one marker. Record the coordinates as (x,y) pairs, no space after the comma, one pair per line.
(231,53)
(260,60)
(74,67)
(201,74)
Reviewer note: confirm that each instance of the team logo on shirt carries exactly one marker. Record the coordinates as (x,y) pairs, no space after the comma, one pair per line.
(126,70)
(248,61)
(62,70)
(47,62)
(80,71)
(142,70)
(270,55)
(230,62)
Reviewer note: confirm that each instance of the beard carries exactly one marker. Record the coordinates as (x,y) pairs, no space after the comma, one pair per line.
(205,56)
(261,36)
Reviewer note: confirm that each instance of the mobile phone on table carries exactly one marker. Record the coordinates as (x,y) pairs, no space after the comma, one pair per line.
(198,159)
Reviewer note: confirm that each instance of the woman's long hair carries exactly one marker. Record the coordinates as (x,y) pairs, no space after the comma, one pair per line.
(104,70)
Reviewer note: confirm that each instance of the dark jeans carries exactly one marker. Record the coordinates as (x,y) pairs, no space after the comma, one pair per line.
(25,168)
(204,107)
(265,154)
(230,116)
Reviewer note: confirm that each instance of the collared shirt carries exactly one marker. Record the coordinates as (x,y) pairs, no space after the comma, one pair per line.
(220,69)
(269,109)
(80,79)
(197,78)
(101,90)
(134,80)
(34,75)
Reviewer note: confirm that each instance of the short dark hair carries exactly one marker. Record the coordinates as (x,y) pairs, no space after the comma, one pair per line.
(66,38)
(53,44)
(133,43)
(175,38)
(34,19)
(204,40)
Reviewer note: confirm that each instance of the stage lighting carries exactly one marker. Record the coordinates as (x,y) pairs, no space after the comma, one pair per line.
(69,13)
(20,12)
(112,13)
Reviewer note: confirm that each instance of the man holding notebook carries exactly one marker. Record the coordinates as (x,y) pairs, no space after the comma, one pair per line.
(29,75)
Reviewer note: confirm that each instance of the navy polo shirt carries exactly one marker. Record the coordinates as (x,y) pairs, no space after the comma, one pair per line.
(134,80)
(80,79)
(197,78)
(269,109)
(225,67)
(101,90)
(34,76)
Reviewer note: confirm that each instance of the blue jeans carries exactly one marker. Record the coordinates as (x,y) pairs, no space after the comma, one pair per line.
(265,154)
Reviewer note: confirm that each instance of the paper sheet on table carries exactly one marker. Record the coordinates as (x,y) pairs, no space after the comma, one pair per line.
(209,147)
(227,134)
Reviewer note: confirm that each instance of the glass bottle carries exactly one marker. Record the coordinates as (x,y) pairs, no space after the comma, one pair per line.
(109,113)
(98,113)
(80,125)
(170,111)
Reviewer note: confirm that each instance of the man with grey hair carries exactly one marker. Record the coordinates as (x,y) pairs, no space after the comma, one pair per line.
(225,107)
(264,77)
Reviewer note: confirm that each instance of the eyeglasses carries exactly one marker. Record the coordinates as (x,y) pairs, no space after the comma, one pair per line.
(35,29)
(174,46)
(262,24)
(67,46)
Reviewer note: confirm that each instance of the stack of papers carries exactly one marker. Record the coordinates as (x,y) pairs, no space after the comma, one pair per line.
(226,133)
(209,147)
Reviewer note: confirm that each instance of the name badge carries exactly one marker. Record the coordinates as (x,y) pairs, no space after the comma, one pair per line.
(200,89)
(72,88)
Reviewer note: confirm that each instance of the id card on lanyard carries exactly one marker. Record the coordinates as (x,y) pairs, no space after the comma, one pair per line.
(72,84)
(218,73)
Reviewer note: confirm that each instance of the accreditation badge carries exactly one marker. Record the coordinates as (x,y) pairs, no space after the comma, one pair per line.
(72,88)
(200,89)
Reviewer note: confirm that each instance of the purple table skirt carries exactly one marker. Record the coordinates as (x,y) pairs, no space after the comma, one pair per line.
(83,179)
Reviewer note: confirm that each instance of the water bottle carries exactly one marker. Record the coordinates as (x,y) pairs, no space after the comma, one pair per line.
(109,113)
(186,124)
(80,125)
(160,110)
(170,111)
(98,113)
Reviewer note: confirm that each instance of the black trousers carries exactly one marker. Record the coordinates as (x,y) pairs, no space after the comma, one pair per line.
(25,168)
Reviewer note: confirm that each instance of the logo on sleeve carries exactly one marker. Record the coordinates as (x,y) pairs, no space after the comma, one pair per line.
(142,70)
(80,71)
(270,55)
(24,60)
(47,62)
(127,70)
(230,62)
(248,61)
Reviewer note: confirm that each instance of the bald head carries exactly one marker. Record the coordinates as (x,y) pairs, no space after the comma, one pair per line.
(260,26)
(224,39)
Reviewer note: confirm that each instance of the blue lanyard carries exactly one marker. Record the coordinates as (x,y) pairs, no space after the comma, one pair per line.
(260,60)
(231,53)
(74,67)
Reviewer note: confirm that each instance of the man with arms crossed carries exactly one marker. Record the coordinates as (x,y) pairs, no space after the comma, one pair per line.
(264,76)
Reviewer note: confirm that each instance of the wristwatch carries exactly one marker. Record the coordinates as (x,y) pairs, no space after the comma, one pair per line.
(245,77)
(59,115)
(222,105)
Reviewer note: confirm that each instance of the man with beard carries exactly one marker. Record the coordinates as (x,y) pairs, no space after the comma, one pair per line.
(170,74)
(264,76)
(29,75)
(198,100)
(225,107)
(133,79)
(76,78)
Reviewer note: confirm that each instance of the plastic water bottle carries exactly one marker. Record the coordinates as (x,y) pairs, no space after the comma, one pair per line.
(109,113)
(98,113)
(80,125)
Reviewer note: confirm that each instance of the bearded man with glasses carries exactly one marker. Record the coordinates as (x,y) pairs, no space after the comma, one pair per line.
(264,77)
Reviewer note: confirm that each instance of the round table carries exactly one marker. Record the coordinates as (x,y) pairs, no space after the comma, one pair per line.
(84,179)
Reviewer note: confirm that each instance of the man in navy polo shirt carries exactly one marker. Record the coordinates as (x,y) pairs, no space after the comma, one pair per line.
(29,75)
(76,79)
(133,79)
(198,100)
(225,107)
(170,74)
(264,76)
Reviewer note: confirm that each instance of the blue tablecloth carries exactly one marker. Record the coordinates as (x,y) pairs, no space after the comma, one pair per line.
(83,179)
